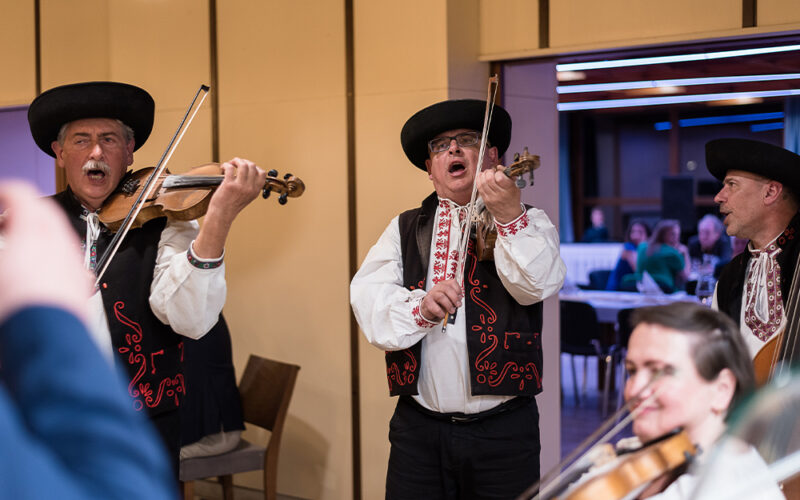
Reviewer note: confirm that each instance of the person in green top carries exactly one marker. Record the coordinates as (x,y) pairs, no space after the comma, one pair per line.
(663,257)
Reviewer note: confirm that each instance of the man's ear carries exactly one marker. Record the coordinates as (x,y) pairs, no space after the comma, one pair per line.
(428,167)
(772,192)
(58,150)
(129,150)
(491,156)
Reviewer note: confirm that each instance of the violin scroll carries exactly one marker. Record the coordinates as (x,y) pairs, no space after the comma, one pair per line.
(288,187)
(523,163)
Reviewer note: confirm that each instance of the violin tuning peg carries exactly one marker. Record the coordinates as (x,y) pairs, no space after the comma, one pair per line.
(272,173)
(520,182)
(265,193)
(287,176)
(516,156)
(282,199)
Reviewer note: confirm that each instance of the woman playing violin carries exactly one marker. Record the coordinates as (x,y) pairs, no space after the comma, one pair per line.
(704,367)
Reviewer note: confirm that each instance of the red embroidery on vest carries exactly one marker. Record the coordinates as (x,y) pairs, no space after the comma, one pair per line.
(141,392)
(406,375)
(488,371)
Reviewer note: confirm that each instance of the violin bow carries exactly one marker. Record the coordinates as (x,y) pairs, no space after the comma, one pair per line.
(491,93)
(150,184)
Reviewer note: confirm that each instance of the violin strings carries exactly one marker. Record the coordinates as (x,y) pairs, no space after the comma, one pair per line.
(147,190)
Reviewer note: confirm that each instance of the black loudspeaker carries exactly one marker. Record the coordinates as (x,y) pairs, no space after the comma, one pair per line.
(677,201)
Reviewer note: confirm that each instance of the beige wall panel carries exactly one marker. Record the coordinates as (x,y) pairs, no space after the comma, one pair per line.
(777,12)
(162,46)
(387,185)
(400,67)
(278,51)
(400,46)
(17,36)
(508,25)
(434,56)
(282,104)
(287,283)
(75,41)
(589,22)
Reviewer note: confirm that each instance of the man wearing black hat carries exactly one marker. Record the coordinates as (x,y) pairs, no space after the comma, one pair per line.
(466,423)
(167,279)
(759,202)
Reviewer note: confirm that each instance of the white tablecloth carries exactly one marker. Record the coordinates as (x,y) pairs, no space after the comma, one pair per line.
(608,304)
(583,258)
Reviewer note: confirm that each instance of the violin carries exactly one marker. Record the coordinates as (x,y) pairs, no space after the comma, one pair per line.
(181,197)
(486,232)
(634,470)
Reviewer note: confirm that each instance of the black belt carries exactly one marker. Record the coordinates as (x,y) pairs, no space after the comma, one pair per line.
(468,418)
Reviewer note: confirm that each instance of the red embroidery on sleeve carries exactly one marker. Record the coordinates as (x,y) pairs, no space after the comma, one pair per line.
(514,226)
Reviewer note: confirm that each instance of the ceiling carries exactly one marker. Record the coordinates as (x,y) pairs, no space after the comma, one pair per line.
(779,63)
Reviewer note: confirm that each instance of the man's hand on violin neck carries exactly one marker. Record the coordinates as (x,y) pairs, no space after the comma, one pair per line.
(444,297)
(243,182)
(500,193)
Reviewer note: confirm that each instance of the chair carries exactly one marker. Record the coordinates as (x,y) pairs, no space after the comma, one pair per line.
(266,389)
(580,336)
(597,279)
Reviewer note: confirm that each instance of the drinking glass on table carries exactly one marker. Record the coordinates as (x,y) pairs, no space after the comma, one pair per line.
(705,289)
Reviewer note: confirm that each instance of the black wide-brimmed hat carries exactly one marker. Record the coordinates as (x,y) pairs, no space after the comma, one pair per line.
(55,107)
(426,124)
(761,158)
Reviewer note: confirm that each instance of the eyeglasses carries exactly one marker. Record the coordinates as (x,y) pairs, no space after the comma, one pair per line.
(464,139)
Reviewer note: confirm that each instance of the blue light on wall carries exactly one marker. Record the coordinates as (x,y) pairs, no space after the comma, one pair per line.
(717,120)
(761,127)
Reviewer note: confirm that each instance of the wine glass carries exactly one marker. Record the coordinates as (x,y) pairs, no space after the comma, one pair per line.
(705,289)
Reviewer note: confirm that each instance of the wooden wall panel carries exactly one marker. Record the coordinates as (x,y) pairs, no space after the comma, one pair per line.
(163,47)
(626,22)
(427,53)
(282,104)
(774,13)
(19,68)
(75,41)
(508,26)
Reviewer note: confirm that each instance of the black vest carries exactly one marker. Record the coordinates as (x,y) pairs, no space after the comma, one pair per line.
(148,349)
(731,280)
(504,344)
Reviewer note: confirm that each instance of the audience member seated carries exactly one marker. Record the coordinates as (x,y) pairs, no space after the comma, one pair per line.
(738,245)
(710,249)
(211,412)
(597,233)
(663,257)
(637,233)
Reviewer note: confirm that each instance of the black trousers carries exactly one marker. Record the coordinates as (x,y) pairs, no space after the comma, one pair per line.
(433,457)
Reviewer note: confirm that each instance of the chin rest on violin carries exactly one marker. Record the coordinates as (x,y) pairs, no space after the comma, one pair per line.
(486,232)
(181,197)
